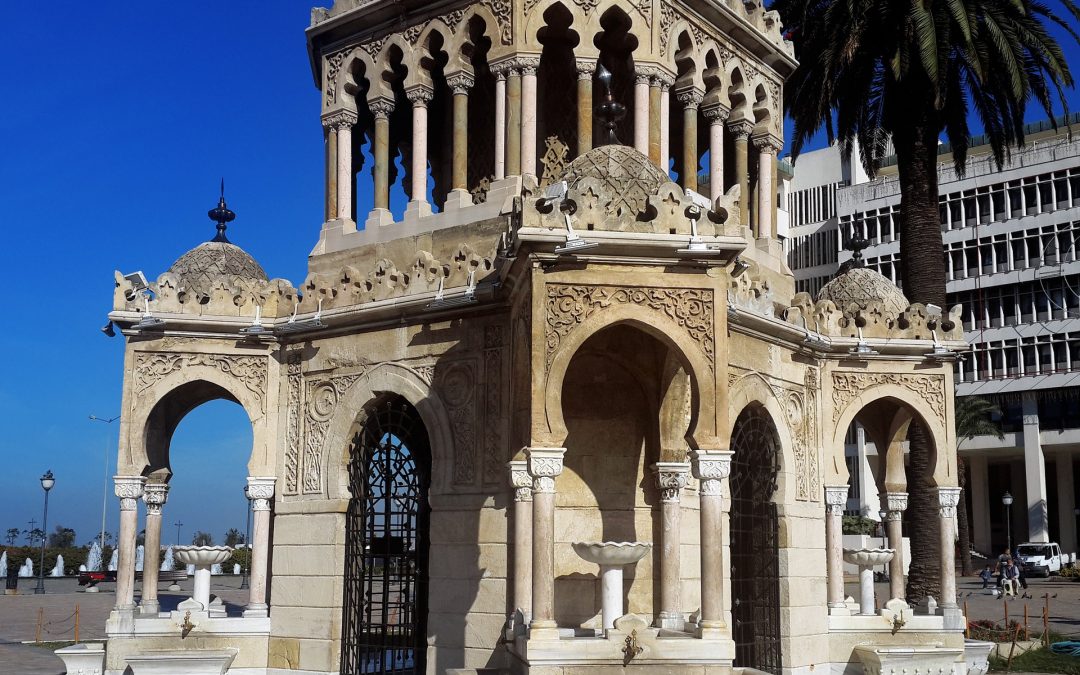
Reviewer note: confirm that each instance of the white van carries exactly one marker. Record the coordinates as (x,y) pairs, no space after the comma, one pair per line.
(1041,559)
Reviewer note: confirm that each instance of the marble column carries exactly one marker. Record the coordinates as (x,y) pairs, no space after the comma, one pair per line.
(835,501)
(500,122)
(896,503)
(528,115)
(585,70)
(666,82)
(655,94)
(382,108)
(155,495)
(767,147)
(342,123)
(712,469)
(129,489)
(690,100)
(513,122)
(331,172)
(948,499)
(419,96)
(740,130)
(261,492)
(671,478)
(717,115)
(523,501)
(1066,501)
(641,111)
(544,465)
(460,84)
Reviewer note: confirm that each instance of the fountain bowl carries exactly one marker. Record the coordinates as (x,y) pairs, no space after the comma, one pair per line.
(202,555)
(868,557)
(612,552)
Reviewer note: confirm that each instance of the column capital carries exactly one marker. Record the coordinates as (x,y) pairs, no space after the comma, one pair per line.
(586,68)
(836,497)
(767,143)
(460,82)
(521,480)
(690,97)
(671,477)
(340,119)
(528,65)
(544,465)
(716,113)
(155,495)
(129,489)
(663,79)
(948,500)
(896,502)
(741,128)
(711,467)
(419,95)
(381,107)
(260,490)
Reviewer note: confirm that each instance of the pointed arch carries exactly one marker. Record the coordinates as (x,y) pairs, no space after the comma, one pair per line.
(753,389)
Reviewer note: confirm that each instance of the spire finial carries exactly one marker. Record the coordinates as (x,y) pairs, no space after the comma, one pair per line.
(221,215)
(610,112)
(856,246)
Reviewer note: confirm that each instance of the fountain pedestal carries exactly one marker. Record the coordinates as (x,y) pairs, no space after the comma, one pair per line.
(203,558)
(866,559)
(611,556)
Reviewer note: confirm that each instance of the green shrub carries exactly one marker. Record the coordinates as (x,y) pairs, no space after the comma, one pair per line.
(859,525)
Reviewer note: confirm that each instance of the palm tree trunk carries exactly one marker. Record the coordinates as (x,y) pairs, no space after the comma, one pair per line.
(963,527)
(923,278)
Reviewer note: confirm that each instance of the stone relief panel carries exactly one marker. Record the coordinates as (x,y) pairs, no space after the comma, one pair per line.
(455,381)
(848,386)
(494,415)
(250,371)
(321,400)
(293,413)
(569,305)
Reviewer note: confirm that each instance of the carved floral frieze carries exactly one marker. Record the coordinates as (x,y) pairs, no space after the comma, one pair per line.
(250,371)
(848,386)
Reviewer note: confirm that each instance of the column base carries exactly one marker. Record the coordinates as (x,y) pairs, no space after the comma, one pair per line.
(954,618)
(458,199)
(712,630)
(121,621)
(417,209)
(840,609)
(149,608)
(378,218)
(543,630)
(256,611)
(669,621)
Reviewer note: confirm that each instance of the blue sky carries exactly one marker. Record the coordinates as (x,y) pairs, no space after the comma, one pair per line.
(116,124)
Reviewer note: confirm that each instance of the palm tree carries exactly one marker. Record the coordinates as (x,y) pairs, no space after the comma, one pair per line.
(875,70)
(974,417)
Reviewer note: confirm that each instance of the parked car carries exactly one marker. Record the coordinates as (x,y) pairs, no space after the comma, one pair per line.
(1041,559)
(94,578)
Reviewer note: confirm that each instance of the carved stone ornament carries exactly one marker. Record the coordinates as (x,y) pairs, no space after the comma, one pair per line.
(626,177)
(456,385)
(836,499)
(381,108)
(690,98)
(948,500)
(767,144)
(568,306)
(521,481)
(716,113)
(332,68)
(861,286)
(294,414)
(585,69)
(420,95)
(671,477)
(260,490)
(896,502)
(544,465)
(248,370)
(711,468)
(341,119)
(155,495)
(741,129)
(848,386)
(321,400)
(129,489)
(460,83)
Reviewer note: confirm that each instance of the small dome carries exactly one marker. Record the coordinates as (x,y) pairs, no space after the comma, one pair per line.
(627,177)
(860,286)
(199,268)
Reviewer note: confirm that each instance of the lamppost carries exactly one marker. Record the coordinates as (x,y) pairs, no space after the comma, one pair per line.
(105,489)
(882,515)
(1007,500)
(247,542)
(47,482)
(178,524)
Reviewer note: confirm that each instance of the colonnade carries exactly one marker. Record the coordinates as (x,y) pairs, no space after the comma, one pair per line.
(533,539)
(130,489)
(895,505)
(516,139)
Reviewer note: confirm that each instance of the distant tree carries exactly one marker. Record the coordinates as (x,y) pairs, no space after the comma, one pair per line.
(234,537)
(12,535)
(974,417)
(62,537)
(97,538)
(34,536)
(202,539)
(140,539)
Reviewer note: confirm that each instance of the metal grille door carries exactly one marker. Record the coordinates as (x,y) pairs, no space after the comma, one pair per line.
(386,547)
(755,603)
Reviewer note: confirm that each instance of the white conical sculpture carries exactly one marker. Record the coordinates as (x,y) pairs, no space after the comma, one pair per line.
(139,553)
(82,568)
(114,561)
(168,561)
(3,563)
(27,569)
(236,569)
(58,568)
(215,569)
(93,558)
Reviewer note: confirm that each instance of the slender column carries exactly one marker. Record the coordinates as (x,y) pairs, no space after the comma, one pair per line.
(500,123)
(419,96)
(342,123)
(513,122)
(712,469)
(980,501)
(641,111)
(671,478)
(381,109)
(741,129)
(835,501)
(690,100)
(528,115)
(717,115)
(260,491)
(155,496)
(1066,502)
(767,148)
(665,123)
(1034,471)
(655,94)
(523,502)
(460,84)
(129,489)
(331,173)
(948,499)
(586,70)
(544,465)
(896,504)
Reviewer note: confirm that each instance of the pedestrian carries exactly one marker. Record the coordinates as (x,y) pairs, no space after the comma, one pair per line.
(986,575)
(1010,578)
(1018,563)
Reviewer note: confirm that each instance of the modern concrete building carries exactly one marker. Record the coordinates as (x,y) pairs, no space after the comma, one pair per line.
(1011,255)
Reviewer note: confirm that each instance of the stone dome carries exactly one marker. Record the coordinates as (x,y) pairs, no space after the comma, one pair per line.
(627,178)
(198,269)
(860,285)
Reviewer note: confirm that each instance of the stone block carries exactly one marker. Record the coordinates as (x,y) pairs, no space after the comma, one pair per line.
(320,655)
(804,620)
(298,591)
(478,631)
(804,592)
(284,653)
(468,561)
(487,596)
(311,561)
(306,622)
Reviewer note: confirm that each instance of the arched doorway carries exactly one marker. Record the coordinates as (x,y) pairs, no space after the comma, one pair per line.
(755,592)
(384,615)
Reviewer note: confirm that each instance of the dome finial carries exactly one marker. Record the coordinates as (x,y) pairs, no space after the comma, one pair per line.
(222,216)
(610,112)
(856,246)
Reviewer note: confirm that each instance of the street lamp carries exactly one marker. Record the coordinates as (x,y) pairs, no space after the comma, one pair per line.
(47,482)
(105,489)
(1007,500)
(247,541)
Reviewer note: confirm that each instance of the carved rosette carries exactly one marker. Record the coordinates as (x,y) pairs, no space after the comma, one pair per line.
(671,478)
(711,469)
(896,504)
(260,490)
(848,386)
(129,489)
(155,495)
(948,500)
(544,465)
(521,481)
(321,401)
(835,499)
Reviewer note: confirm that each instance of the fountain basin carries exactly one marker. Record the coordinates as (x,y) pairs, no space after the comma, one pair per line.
(202,555)
(612,552)
(87,658)
(867,559)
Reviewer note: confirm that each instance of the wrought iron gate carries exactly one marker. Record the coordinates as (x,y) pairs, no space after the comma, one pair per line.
(386,546)
(755,604)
